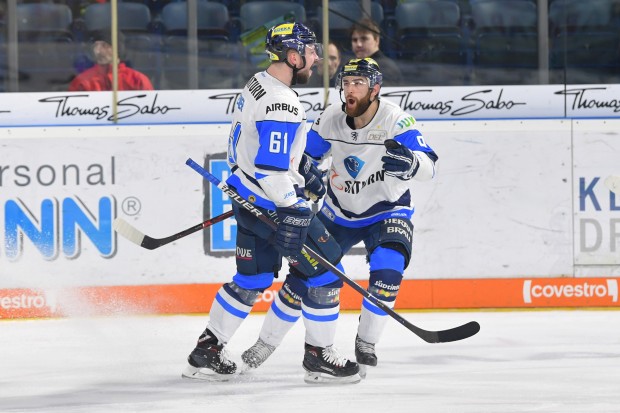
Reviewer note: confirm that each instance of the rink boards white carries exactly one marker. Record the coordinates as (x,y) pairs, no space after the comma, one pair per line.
(517,216)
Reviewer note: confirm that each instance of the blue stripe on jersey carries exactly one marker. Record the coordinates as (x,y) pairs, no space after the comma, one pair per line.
(372,308)
(275,141)
(399,213)
(413,140)
(229,308)
(316,146)
(320,318)
(282,315)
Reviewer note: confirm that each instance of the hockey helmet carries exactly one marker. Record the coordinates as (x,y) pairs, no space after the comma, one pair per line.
(290,36)
(366,67)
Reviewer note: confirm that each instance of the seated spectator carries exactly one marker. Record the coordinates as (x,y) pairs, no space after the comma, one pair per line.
(99,77)
(365,38)
(334,57)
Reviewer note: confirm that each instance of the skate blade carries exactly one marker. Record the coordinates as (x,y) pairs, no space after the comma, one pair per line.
(246,369)
(313,377)
(364,369)
(204,374)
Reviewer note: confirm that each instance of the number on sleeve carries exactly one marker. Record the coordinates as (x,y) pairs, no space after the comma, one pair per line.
(278,143)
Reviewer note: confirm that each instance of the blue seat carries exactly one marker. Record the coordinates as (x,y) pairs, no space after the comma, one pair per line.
(46,46)
(584,42)
(213,19)
(255,14)
(132,17)
(505,38)
(431,46)
(577,15)
(39,21)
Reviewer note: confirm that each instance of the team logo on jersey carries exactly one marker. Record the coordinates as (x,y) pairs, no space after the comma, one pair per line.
(377,135)
(405,122)
(354,165)
(324,237)
(354,135)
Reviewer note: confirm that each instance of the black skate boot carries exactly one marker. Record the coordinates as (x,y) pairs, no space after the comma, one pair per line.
(365,355)
(256,355)
(324,365)
(209,361)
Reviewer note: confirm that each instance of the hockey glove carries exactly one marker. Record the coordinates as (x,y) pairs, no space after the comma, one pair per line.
(400,161)
(314,187)
(292,228)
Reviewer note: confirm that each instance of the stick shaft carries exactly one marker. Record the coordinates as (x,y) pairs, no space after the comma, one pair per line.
(136,236)
(457,333)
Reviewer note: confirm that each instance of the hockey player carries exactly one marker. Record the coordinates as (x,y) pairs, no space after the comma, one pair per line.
(376,154)
(269,169)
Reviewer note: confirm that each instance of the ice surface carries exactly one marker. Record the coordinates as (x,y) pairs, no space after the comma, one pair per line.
(521,361)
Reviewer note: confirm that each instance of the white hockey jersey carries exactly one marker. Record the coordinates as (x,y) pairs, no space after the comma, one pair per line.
(359,191)
(267,138)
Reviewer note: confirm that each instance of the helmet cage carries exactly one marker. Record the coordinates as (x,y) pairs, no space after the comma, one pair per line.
(286,36)
(366,67)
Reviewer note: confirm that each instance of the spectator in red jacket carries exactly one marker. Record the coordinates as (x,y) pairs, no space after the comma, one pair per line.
(99,77)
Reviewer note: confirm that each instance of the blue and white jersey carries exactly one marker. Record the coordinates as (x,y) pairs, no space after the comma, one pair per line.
(267,140)
(359,192)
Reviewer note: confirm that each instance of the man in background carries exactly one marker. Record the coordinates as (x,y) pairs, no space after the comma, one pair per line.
(334,59)
(99,76)
(365,40)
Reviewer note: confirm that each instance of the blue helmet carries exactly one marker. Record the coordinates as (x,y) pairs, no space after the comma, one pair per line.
(366,67)
(290,36)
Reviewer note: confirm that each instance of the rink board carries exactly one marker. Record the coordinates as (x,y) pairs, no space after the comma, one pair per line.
(514,201)
(414,294)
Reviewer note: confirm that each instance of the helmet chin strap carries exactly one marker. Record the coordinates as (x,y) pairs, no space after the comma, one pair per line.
(295,69)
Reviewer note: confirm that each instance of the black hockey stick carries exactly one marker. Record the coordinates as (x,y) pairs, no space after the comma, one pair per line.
(443,336)
(137,237)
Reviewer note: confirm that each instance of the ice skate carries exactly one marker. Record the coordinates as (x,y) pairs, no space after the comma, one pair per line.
(256,355)
(324,365)
(209,361)
(365,355)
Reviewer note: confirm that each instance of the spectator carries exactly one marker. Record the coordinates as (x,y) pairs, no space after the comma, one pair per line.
(365,38)
(99,77)
(334,58)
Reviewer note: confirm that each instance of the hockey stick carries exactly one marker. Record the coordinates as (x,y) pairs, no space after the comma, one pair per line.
(129,232)
(612,182)
(443,336)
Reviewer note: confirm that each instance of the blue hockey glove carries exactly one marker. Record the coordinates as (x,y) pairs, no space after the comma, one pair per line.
(314,187)
(400,161)
(292,228)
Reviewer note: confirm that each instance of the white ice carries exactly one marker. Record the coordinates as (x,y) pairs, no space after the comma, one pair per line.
(530,361)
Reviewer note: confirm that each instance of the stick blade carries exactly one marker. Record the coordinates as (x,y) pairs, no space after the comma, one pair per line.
(458,333)
(612,182)
(127,231)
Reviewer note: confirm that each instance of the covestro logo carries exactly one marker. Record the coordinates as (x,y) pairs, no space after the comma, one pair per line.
(566,291)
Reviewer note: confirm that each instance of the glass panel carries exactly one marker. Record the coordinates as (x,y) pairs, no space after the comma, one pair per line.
(422,42)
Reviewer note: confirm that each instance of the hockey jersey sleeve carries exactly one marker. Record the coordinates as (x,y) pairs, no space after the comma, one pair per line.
(281,135)
(406,133)
(277,132)
(317,147)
